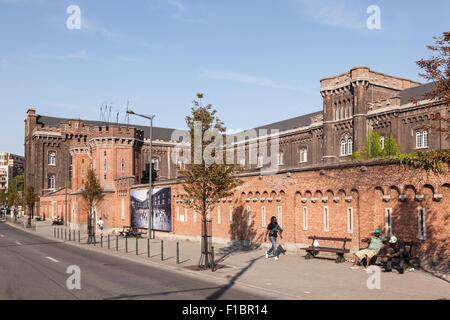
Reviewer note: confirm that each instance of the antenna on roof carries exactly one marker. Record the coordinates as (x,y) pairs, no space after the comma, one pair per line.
(127,116)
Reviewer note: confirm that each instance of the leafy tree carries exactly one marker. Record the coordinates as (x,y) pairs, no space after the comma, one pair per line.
(3,197)
(373,148)
(437,70)
(14,191)
(205,182)
(29,199)
(93,195)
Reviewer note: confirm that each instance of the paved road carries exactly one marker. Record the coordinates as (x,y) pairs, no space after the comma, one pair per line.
(32,267)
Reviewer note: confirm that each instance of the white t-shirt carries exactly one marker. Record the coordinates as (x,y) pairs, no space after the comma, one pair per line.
(100,223)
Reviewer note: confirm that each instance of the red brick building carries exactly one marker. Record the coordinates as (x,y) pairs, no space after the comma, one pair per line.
(315,189)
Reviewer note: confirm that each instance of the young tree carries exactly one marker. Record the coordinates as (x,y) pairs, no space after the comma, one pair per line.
(206,182)
(3,197)
(29,200)
(437,70)
(93,195)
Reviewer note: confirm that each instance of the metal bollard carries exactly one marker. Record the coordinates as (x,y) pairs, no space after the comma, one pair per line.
(213,264)
(137,250)
(117,243)
(65,234)
(178,253)
(58,233)
(54,232)
(148,247)
(101,241)
(79,237)
(74,236)
(70,235)
(126,244)
(109,247)
(162,250)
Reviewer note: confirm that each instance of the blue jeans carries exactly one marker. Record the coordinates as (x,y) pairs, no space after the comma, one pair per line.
(274,246)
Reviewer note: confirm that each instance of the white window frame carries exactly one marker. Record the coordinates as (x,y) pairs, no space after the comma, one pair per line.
(418,140)
(195,216)
(382,142)
(305,218)
(260,160)
(185,214)
(280,158)
(82,170)
(425,139)
(349,146)
(155,162)
(123,209)
(388,221)
(263,216)
(350,220)
(52,181)
(178,213)
(303,155)
(52,158)
(421,223)
(343,147)
(326,219)
(249,218)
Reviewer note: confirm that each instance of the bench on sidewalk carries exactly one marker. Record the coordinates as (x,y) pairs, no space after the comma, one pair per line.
(409,257)
(313,251)
(129,231)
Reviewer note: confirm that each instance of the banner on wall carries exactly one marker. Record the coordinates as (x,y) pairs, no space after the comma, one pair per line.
(162,209)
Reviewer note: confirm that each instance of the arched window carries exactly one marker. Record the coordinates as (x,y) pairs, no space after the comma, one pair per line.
(350,146)
(343,147)
(303,155)
(155,163)
(52,158)
(336,112)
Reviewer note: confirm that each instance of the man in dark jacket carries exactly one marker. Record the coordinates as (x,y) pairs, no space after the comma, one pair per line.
(395,249)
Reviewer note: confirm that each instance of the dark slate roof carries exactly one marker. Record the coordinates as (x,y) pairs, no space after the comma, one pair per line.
(158,133)
(301,121)
(415,92)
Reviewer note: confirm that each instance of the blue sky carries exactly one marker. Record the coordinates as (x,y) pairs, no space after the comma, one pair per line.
(257,61)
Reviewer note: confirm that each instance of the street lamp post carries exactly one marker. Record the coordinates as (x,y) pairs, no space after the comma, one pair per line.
(150,195)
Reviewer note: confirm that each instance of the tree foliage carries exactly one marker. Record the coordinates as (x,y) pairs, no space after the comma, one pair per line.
(373,148)
(206,183)
(436,69)
(92,193)
(30,197)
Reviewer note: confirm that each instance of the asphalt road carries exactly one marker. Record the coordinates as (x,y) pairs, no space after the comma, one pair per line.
(35,268)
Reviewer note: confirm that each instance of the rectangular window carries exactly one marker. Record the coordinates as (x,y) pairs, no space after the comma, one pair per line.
(123,209)
(178,213)
(425,139)
(350,220)
(263,216)
(303,155)
(231,214)
(186,214)
(218,215)
(280,216)
(326,219)
(195,216)
(382,142)
(105,165)
(123,165)
(421,216)
(388,222)
(305,218)
(248,216)
(82,171)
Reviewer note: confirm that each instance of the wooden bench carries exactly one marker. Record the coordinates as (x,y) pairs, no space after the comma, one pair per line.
(125,231)
(129,231)
(409,257)
(313,251)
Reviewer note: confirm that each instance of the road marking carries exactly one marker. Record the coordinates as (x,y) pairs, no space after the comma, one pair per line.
(2,236)
(54,260)
(18,243)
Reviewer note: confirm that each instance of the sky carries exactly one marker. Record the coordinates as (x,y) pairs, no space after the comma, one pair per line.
(256,61)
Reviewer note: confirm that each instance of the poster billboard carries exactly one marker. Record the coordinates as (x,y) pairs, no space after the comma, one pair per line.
(162,209)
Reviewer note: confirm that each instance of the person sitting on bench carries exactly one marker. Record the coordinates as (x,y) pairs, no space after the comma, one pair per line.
(374,247)
(395,249)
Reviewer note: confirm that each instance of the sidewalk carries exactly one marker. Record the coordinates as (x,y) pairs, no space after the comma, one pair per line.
(292,277)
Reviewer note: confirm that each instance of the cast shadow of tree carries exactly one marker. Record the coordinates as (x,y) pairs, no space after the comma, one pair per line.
(433,252)
(244,236)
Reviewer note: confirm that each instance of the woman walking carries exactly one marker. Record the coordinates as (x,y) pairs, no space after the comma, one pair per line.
(272,232)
